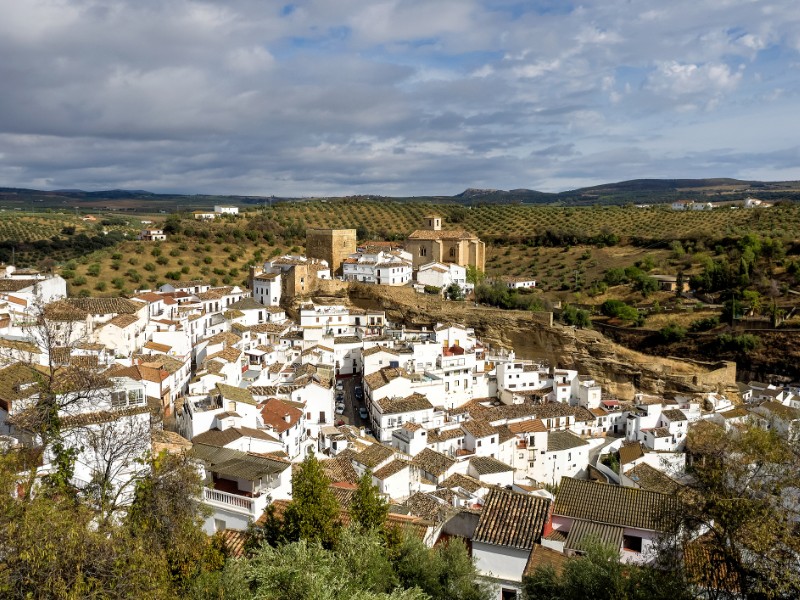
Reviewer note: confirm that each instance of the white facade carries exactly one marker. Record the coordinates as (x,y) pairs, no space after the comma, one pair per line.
(226,210)
(267,289)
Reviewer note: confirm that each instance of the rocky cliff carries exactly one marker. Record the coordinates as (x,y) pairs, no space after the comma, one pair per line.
(532,335)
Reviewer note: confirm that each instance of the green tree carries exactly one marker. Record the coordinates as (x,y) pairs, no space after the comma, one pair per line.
(368,508)
(741,500)
(313,513)
(474,275)
(599,575)
(454,292)
(167,515)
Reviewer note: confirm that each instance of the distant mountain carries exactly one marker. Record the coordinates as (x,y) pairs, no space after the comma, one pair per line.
(635,191)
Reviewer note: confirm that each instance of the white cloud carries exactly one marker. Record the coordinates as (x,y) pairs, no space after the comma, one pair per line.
(410,96)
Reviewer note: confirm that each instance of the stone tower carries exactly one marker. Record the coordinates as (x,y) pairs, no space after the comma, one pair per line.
(332,245)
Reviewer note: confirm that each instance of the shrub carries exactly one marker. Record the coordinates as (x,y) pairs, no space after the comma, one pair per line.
(703,324)
(94,269)
(672,332)
(619,310)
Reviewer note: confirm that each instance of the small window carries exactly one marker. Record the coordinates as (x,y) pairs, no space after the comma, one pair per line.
(632,543)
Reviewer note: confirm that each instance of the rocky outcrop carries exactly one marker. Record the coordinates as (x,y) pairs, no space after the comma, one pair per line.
(619,370)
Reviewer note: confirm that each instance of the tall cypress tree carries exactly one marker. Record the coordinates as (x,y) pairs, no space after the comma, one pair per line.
(368,508)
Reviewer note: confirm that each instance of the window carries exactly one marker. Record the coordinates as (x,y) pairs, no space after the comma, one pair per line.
(632,543)
(118,399)
(479,443)
(423,251)
(322,416)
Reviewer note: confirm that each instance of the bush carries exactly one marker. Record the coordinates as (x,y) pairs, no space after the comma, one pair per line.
(432,290)
(94,269)
(620,310)
(672,332)
(576,317)
(743,343)
(703,324)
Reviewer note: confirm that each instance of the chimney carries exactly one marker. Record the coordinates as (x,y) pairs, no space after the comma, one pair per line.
(287,418)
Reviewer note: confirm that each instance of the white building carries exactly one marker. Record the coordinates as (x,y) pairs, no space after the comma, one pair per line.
(267,288)
(381,267)
(226,210)
(443,275)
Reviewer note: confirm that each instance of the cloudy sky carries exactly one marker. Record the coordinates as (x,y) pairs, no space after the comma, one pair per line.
(398,97)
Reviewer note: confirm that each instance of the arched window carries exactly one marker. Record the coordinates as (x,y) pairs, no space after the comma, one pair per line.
(452,252)
(423,251)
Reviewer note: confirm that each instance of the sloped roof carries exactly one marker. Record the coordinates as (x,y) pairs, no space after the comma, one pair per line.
(478,428)
(542,557)
(393,468)
(374,455)
(432,462)
(412,403)
(236,394)
(104,306)
(583,532)
(651,479)
(511,519)
(279,414)
(485,465)
(563,440)
(611,504)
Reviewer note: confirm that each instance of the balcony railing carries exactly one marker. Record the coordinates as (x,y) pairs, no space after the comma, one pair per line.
(243,504)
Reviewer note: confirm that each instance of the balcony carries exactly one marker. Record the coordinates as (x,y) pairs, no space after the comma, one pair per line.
(252,507)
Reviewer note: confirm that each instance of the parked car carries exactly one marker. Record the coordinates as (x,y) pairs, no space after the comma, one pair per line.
(362,412)
(340,385)
(340,410)
(359,392)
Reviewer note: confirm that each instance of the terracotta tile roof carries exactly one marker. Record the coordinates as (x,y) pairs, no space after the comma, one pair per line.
(529,426)
(504,433)
(393,468)
(466,482)
(651,479)
(378,349)
(105,306)
(542,557)
(412,403)
(101,416)
(511,519)
(236,394)
(786,413)
(443,435)
(339,468)
(583,532)
(486,465)
(158,347)
(674,414)
(279,415)
(226,338)
(629,452)
(229,354)
(123,321)
(426,506)
(221,438)
(15,285)
(479,428)
(734,413)
(611,504)
(380,378)
(234,542)
(583,414)
(442,234)
(347,339)
(563,440)
(215,293)
(432,462)
(374,455)
(248,303)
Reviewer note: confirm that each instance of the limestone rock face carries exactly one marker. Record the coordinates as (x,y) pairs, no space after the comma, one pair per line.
(618,370)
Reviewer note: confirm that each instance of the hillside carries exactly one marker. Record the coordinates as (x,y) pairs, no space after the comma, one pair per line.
(636,191)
